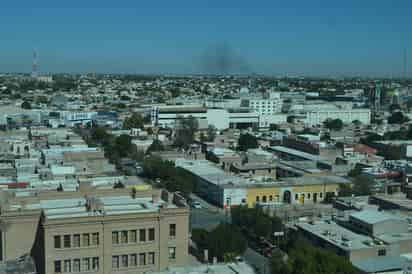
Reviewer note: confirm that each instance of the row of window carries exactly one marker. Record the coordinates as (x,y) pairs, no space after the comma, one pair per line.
(133,260)
(265,198)
(76,240)
(141,235)
(76,265)
(308,195)
(131,236)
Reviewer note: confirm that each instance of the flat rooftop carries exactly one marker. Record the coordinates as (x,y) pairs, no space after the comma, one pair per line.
(297,153)
(398,199)
(372,216)
(106,205)
(212,174)
(337,235)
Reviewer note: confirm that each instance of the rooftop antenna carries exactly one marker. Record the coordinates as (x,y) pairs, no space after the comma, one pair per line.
(34,72)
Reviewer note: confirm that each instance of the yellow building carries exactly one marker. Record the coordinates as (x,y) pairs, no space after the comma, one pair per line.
(301,190)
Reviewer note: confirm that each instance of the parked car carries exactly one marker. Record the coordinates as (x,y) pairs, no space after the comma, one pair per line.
(196,204)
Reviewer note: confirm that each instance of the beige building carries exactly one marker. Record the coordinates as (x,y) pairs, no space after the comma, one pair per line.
(101,231)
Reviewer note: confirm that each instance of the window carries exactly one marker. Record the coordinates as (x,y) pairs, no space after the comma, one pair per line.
(86,239)
(296,197)
(133,260)
(85,264)
(151,258)
(125,260)
(320,194)
(66,240)
(95,263)
(308,195)
(270,198)
(142,235)
(172,230)
(151,234)
(95,238)
(264,199)
(172,253)
(382,252)
(142,259)
(257,199)
(76,240)
(133,236)
(115,237)
(76,265)
(57,266)
(115,262)
(57,242)
(123,237)
(67,266)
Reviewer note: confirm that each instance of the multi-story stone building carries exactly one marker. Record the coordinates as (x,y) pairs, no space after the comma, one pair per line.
(104,231)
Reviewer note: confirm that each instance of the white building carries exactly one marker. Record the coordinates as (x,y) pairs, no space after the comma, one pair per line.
(317,117)
(72,119)
(220,118)
(268,107)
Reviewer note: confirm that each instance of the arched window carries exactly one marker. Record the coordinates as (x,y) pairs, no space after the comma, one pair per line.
(264,199)
(257,198)
(270,198)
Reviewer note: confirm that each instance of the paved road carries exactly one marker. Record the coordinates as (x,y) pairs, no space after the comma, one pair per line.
(206,219)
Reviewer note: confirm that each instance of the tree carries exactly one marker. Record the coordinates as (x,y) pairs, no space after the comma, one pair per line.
(118,185)
(397,118)
(134,121)
(26,105)
(273,127)
(333,124)
(211,133)
(175,92)
(157,145)
(172,178)
(345,190)
(100,135)
(185,131)
(137,154)
(409,104)
(278,264)
(394,107)
(123,144)
(356,171)
(308,259)
(226,242)
(255,221)
(356,122)
(362,185)
(247,141)
(202,137)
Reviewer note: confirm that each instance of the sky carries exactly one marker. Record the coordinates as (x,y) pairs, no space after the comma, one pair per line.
(283,38)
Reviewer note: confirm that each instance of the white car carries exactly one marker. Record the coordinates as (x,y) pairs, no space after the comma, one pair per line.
(196,204)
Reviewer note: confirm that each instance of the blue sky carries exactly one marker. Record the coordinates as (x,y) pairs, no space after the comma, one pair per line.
(332,38)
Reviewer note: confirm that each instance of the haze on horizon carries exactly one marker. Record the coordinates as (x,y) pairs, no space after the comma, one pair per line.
(313,38)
